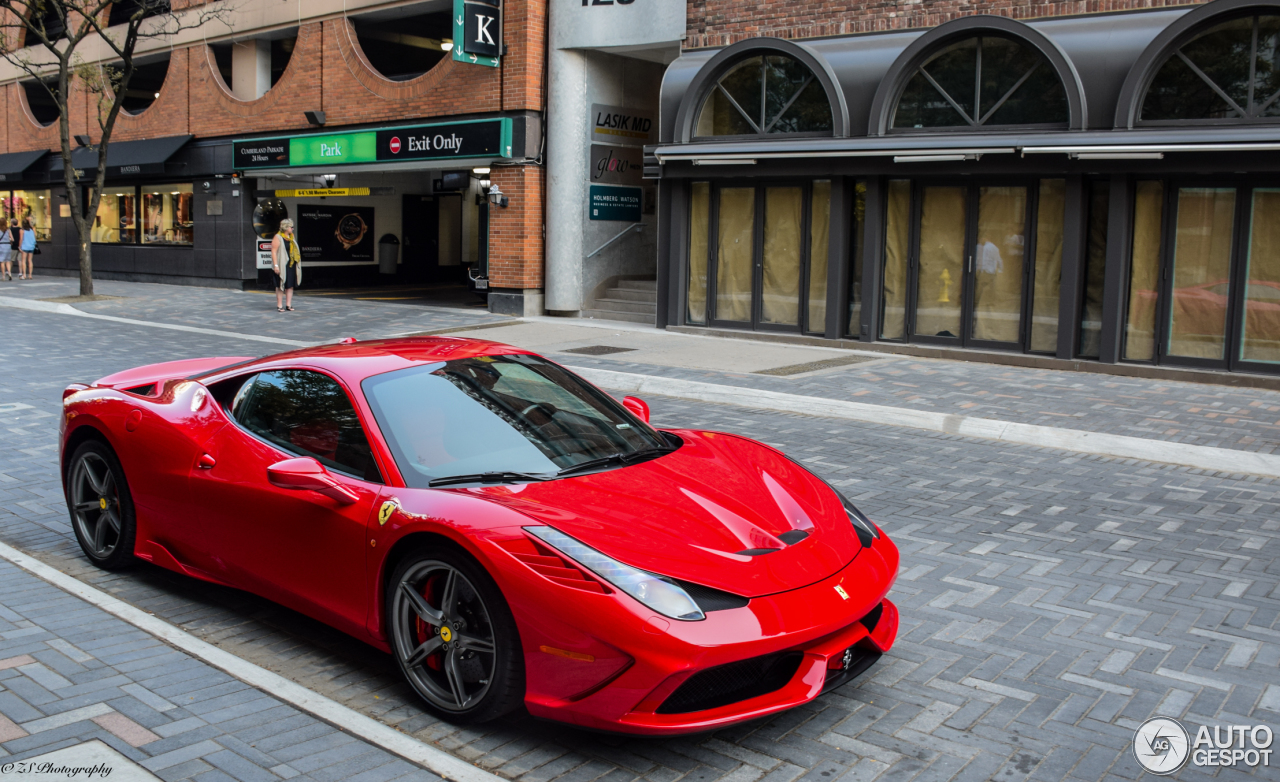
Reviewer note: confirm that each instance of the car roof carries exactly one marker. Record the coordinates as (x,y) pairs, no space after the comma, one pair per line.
(354,361)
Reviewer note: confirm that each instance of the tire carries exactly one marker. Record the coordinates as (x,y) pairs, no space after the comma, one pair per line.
(463,659)
(101,506)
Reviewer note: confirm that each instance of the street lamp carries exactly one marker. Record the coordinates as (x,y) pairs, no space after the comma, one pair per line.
(496,197)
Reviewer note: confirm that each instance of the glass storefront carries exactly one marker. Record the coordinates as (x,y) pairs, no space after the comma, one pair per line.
(759,255)
(30,204)
(147,214)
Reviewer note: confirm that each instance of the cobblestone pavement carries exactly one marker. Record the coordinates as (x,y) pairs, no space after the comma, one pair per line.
(314,319)
(72,673)
(1192,413)
(1050,602)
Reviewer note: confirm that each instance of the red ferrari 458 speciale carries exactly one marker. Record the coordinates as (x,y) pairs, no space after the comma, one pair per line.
(509,532)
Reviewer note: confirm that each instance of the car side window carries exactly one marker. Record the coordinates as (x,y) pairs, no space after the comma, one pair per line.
(309,414)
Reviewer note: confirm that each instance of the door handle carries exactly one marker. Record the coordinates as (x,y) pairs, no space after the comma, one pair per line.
(971,263)
(206,462)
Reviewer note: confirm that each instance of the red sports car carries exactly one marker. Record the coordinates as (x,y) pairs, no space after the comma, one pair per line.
(506,530)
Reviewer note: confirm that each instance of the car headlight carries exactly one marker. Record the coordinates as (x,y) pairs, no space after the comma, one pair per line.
(654,591)
(868,533)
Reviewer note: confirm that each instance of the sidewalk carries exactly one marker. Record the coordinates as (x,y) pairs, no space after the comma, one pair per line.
(71,674)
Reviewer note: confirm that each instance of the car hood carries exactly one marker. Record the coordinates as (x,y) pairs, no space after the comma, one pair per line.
(690,514)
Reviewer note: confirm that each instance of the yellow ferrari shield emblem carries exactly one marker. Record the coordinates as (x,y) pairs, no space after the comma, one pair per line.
(102,503)
(840,591)
(446,634)
(388,508)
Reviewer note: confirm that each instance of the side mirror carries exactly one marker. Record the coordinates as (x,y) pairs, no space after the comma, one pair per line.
(637,407)
(307,474)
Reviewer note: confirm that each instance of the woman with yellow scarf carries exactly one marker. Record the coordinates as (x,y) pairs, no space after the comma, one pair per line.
(286,262)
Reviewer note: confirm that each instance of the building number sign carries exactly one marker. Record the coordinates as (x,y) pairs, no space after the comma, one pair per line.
(477,31)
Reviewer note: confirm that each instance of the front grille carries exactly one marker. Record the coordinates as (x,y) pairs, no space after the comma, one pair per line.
(873,618)
(860,659)
(732,683)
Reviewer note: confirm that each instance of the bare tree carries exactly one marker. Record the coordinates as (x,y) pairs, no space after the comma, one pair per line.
(57,31)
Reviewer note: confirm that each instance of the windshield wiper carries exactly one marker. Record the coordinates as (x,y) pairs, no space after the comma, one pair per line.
(490,477)
(617,458)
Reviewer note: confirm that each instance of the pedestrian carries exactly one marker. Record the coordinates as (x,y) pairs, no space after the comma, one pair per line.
(6,249)
(26,250)
(286,263)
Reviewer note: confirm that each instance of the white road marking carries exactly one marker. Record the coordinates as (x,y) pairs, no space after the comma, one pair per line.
(434,760)
(1098,443)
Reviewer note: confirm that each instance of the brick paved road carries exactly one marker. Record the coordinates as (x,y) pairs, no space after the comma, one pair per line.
(1050,602)
(71,673)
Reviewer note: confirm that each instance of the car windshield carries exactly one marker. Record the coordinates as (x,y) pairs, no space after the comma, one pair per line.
(499,414)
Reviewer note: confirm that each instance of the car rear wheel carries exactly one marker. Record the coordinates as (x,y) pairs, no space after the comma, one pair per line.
(100,505)
(453,636)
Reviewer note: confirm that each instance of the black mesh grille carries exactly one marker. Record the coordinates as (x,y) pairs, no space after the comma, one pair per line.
(731,683)
(873,618)
(860,659)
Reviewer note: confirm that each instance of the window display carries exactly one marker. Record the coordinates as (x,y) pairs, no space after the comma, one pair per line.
(150,214)
(33,204)
(116,221)
(166,215)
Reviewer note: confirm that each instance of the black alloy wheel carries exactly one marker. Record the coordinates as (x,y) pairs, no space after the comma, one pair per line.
(100,505)
(453,636)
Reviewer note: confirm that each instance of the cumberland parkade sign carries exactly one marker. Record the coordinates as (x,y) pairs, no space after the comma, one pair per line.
(443,141)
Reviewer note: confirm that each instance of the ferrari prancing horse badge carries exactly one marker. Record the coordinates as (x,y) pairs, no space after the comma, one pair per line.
(388,508)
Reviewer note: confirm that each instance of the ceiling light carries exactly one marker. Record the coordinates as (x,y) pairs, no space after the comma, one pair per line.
(931,158)
(157,94)
(175,192)
(447,44)
(482,170)
(1119,156)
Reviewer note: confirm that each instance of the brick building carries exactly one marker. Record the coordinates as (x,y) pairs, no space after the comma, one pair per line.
(357,119)
(1074,184)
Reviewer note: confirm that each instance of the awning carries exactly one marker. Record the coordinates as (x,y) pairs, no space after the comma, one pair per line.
(926,147)
(127,158)
(14,164)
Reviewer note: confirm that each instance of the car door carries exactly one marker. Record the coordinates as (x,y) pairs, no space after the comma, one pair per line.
(295,546)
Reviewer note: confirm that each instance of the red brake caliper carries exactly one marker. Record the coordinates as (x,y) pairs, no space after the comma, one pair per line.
(425,631)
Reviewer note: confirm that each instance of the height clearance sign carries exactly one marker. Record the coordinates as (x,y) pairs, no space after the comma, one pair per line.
(487,138)
(477,31)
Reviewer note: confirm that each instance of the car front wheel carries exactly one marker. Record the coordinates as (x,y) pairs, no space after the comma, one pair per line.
(453,636)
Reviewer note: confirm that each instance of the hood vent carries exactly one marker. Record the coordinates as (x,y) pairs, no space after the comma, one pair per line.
(794,536)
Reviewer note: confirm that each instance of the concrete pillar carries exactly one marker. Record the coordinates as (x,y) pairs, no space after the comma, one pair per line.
(250,69)
(567,163)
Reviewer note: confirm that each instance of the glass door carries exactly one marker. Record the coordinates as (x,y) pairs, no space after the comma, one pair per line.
(754,255)
(1259,319)
(1199,288)
(969,265)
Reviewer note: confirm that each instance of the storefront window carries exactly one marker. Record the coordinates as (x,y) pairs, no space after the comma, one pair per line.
(856,238)
(699,229)
(1261,333)
(783,221)
(1050,214)
(819,242)
(981,81)
(1095,266)
(940,273)
(166,214)
(1201,272)
(30,204)
(997,263)
(896,249)
(1144,273)
(151,214)
(116,221)
(765,95)
(736,218)
(1230,71)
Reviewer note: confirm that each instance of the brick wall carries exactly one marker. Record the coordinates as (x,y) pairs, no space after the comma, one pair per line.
(515,233)
(722,22)
(327,71)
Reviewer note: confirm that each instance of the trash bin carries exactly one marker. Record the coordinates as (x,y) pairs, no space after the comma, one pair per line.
(388,253)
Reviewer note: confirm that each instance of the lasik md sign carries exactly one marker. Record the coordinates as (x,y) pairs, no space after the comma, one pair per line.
(618,125)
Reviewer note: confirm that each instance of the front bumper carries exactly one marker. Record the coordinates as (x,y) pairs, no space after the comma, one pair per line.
(606,662)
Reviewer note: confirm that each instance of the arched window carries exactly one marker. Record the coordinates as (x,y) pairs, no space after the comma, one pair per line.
(764,95)
(145,84)
(982,81)
(403,43)
(1231,71)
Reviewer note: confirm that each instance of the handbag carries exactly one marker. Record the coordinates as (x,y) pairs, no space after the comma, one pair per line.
(37,250)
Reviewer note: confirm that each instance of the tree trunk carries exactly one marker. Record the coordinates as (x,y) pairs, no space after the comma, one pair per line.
(86,266)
